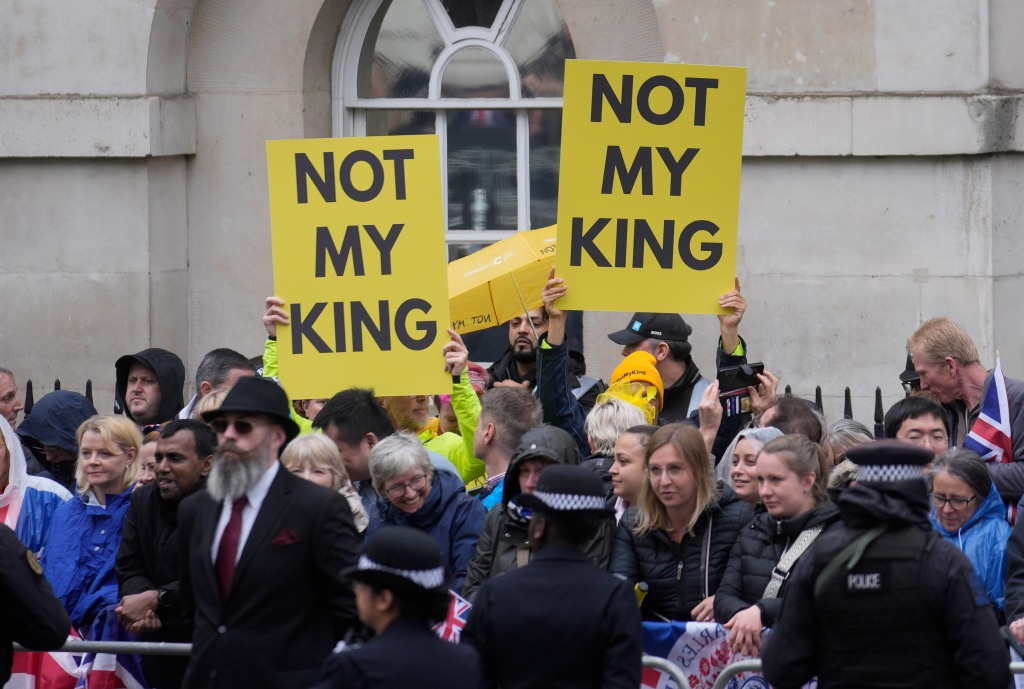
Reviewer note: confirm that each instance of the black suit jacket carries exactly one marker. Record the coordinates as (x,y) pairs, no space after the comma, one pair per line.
(289,602)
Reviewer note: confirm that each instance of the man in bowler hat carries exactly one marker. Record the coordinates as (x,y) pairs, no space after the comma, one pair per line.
(263,554)
(560,621)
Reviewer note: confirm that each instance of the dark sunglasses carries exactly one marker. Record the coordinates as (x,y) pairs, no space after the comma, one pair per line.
(221,425)
(149,427)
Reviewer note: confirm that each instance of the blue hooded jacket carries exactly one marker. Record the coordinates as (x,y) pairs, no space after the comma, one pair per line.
(449,514)
(982,539)
(54,420)
(79,556)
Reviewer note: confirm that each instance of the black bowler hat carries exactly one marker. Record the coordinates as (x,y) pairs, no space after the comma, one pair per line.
(889,460)
(660,326)
(404,560)
(567,489)
(254,395)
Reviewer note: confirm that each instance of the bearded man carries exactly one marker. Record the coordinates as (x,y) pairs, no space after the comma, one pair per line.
(264,554)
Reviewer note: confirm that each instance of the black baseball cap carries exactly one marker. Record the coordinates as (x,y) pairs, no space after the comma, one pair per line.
(660,326)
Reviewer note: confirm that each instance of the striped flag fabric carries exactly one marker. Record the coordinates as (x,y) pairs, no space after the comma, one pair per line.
(458,615)
(990,434)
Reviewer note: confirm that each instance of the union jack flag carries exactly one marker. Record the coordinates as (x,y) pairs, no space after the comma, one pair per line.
(990,434)
(45,669)
(458,614)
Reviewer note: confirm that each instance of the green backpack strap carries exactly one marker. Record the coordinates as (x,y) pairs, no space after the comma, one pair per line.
(848,556)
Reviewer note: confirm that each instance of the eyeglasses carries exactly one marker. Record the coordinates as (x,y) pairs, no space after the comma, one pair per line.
(934,440)
(674,471)
(398,490)
(956,502)
(221,425)
(149,427)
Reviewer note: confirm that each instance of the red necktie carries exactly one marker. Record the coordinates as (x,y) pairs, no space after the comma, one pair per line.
(227,553)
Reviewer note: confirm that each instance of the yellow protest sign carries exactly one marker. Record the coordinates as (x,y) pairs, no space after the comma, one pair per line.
(649,186)
(357,226)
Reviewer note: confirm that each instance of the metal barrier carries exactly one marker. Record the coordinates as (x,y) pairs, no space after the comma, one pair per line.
(157,648)
(731,671)
(666,665)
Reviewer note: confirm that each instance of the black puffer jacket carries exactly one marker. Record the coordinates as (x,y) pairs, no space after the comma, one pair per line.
(679,576)
(757,551)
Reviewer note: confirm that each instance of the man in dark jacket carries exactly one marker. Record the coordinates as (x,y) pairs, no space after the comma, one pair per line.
(32,615)
(667,337)
(886,600)
(147,562)
(560,622)
(504,542)
(518,366)
(149,385)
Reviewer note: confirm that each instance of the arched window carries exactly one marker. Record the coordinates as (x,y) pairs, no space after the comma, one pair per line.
(486,76)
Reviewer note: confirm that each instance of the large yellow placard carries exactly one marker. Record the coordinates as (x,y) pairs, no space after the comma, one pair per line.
(649,186)
(359,259)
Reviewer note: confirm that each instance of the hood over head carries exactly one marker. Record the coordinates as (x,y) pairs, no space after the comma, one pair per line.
(170,373)
(55,419)
(543,442)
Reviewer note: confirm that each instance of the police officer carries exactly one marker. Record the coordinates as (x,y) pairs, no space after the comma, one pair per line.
(29,612)
(401,589)
(886,601)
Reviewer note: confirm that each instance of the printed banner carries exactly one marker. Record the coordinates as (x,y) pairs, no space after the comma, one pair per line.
(702,651)
(649,188)
(359,258)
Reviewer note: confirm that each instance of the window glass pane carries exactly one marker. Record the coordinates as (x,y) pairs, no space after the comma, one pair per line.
(399,52)
(545,139)
(472,12)
(482,170)
(475,72)
(540,43)
(382,122)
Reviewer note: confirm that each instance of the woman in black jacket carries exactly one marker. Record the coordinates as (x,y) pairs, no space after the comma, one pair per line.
(792,476)
(678,538)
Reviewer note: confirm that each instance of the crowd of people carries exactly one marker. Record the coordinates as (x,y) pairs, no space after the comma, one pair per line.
(313,542)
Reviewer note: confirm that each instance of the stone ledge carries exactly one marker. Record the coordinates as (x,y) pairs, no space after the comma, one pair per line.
(869,125)
(97,127)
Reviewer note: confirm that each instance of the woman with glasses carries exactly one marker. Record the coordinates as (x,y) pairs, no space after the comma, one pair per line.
(678,538)
(967,510)
(413,494)
(86,531)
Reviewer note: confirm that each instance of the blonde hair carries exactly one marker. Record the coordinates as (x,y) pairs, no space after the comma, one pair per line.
(689,446)
(802,457)
(320,452)
(608,420)
(211,402)
(940,337)
(115,431)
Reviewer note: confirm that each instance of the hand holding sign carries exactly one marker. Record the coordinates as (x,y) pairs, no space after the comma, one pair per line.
(729,323)
(456,355)
(274,314)
(554,290)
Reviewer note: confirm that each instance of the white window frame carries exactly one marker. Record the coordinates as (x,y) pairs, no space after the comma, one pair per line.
(348,109)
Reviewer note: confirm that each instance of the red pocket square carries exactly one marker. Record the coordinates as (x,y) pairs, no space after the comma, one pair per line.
(285,537)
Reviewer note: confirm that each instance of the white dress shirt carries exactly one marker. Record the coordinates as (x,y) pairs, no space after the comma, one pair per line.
(256,495)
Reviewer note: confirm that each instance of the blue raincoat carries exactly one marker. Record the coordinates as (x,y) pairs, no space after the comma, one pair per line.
(982,539)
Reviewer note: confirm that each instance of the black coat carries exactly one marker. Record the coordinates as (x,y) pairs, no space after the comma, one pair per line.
(910,613)
(289,601)
(560,622)
(406,654)
(758,550)
(31,615)
(148,560)
(679,576)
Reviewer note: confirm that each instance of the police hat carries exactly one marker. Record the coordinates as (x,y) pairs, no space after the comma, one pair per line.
(889,460)
(404,560)
(567,489)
